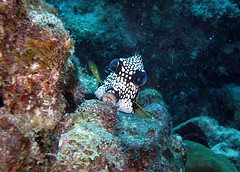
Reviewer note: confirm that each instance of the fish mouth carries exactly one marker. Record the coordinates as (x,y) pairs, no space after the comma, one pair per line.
(109,97)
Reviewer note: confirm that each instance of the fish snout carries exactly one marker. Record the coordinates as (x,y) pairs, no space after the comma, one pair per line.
(109,97)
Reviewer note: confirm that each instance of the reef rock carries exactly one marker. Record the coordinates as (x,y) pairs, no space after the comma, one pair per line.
(149,143)
(200,158)
(101,138)
(229,95)
(220,140)
(34,48)
(90,144)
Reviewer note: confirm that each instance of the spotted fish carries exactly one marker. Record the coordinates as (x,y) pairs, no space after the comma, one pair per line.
(122,85)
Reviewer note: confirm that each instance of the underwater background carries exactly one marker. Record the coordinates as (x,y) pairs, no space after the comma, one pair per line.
(51,119)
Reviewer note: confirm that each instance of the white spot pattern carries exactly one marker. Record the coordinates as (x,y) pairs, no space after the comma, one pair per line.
(120,83)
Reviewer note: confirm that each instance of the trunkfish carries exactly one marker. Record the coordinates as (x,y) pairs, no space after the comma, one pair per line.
(122,85)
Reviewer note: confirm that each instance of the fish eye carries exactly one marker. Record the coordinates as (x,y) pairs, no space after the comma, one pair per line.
(114,65)
(140,78)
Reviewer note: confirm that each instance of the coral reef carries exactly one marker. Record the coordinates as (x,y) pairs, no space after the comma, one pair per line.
(34,50)
(101,138)
(40,83)
(79,85)
(47,123)
(90,145)
(201,158)
(94,24)
(14,147)
(221,140)
(209,9)
(150,147)
(229,95)
(186,45)
(149,144)
(173,31)
(153,102)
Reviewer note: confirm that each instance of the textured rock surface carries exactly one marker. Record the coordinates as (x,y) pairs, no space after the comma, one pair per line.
(149,143)
(221,140)
(229,95)
(200,158)
(34,49)
(102,140)
(88,147)
(90,144)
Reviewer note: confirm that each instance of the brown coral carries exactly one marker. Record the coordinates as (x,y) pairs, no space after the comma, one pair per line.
(33,54)
(33,51)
